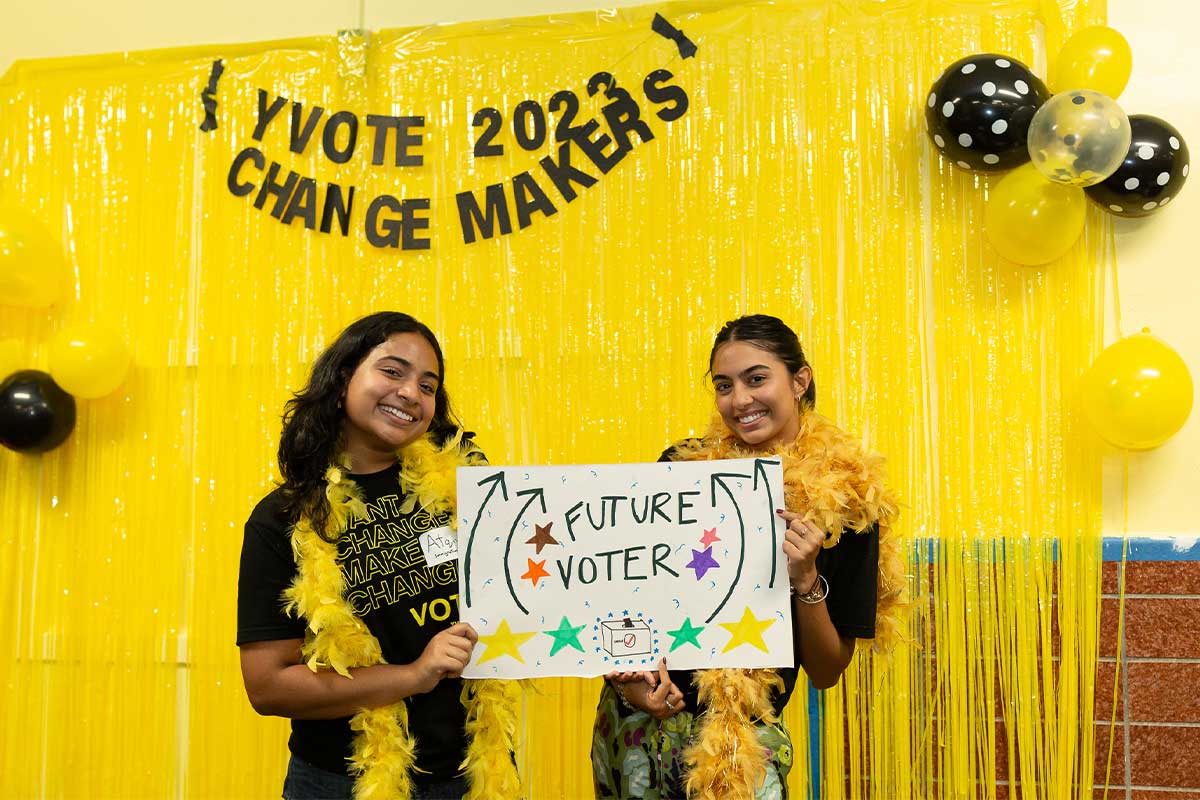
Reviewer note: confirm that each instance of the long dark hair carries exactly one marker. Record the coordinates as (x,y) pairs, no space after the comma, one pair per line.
(313,419)
(771,334)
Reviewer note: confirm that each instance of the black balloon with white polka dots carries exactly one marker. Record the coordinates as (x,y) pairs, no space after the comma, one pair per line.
(978,112)
(1153,172)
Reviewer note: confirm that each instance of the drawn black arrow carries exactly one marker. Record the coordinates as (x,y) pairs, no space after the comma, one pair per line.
(534,494)
(760,466)
(497,480)
(718,478)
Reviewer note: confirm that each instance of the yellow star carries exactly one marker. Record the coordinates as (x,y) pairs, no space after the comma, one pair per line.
(504,643)
(747,630)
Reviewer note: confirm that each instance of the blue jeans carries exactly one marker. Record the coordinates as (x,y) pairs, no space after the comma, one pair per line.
(307,782)
(444,790)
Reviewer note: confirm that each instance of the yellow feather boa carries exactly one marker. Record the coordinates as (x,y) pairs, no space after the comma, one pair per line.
(726,761)
(384,750)
(838,484)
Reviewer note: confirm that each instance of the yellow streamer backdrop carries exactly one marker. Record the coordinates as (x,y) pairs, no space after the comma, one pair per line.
(799,183)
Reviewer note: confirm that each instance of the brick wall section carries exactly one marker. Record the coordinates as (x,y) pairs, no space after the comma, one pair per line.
(1155,740)
(1157,748)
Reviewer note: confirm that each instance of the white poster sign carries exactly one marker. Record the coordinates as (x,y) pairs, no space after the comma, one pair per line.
(582,570)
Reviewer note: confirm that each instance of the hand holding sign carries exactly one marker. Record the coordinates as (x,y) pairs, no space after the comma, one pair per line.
(651,678)
(660,698)
(802,541)
(445,656)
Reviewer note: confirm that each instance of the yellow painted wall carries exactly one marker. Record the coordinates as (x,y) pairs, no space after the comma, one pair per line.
(1157,261)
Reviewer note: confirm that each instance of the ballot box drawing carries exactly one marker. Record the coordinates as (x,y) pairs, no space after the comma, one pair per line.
(622,638)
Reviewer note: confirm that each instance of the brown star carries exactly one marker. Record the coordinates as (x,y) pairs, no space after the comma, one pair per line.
(542,537)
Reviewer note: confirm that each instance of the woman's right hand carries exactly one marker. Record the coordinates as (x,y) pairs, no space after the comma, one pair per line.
(662,702)
(445,656)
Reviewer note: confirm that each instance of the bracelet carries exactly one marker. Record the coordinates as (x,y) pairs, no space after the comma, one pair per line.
(817,594)
(619,688)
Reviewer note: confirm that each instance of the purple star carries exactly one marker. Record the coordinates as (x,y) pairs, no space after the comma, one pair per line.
(702,561)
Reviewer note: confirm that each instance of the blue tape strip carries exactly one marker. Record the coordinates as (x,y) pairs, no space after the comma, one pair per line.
(926,550)
(1153,549)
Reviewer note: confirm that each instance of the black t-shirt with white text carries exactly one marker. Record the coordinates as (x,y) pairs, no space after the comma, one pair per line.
(403,600)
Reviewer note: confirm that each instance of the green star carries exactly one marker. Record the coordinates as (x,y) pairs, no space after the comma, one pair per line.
(687,633)
(565,635)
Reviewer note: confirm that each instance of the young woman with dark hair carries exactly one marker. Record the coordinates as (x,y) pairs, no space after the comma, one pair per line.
(343,625)
(717,734)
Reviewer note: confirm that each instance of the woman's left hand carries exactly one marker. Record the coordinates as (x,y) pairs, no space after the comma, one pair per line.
(801,543)
(662,702)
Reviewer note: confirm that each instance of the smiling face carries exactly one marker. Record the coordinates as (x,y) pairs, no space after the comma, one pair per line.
(390,399)
(756,394)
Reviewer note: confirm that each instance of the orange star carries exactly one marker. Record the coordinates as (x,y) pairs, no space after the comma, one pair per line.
(542,537)
(536,571)
(710,536)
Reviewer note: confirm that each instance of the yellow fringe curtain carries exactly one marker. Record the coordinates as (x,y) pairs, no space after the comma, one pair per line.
(799,182)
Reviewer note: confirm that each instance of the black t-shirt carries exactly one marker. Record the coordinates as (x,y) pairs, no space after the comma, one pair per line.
(851,569)
(403,601)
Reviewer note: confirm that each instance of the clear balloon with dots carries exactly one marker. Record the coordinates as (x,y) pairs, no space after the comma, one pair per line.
(1078,137)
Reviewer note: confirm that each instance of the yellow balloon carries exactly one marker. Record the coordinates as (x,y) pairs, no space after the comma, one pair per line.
(1096,58)
(89,360)
(33,272)
(1138,393)
(1030,220)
